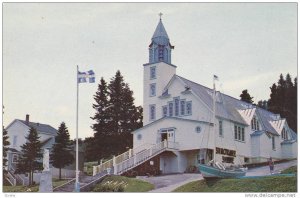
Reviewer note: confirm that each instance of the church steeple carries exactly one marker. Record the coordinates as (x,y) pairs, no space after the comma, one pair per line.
(160,47)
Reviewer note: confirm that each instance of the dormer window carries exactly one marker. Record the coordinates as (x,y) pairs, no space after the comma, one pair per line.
(254,124)
(284,134)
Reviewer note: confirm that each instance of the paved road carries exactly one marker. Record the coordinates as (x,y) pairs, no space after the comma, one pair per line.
(168,183)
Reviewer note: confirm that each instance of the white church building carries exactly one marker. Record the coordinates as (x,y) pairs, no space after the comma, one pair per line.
(180,129)
(181,112)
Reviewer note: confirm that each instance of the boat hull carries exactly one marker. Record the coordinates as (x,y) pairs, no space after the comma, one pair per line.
(210,172)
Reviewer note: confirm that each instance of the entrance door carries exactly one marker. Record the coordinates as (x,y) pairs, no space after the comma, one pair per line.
(167,134)
(164,136)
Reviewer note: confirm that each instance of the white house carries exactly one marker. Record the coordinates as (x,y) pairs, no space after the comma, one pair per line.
(17,132)
(180,112)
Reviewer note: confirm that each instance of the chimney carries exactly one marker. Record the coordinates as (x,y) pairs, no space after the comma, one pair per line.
(27,118)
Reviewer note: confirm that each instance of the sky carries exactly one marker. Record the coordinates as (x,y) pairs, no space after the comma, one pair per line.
(247,45)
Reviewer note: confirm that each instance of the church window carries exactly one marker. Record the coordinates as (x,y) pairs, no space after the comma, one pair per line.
(171,109)
(152,112)
(182,107)
(165,111)
(152,72)
(284,134)
(235,132)
(189,108)
(239,133)
(221,128)
(176,101)
(153,89)
(273,143)
(255,124)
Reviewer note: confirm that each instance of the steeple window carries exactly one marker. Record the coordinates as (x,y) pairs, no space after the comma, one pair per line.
(152,72)
(152,112)
(153,89)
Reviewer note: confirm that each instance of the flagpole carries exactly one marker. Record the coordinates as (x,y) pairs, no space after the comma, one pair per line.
(77,187)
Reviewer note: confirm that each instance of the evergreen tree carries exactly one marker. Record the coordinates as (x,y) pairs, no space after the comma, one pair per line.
(31,155)
(98,147)
(61,154)
(124,113)
(245,96)
(5,149)
(283,99)
(116,117)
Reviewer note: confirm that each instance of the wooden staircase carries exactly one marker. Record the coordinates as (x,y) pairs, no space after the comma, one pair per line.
(132,158)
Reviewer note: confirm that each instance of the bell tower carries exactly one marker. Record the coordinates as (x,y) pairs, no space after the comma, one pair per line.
(157,73)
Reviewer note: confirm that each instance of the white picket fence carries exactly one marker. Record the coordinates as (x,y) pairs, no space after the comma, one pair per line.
(133,158)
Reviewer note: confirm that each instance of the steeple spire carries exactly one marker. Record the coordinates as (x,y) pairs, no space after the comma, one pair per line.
(160,47)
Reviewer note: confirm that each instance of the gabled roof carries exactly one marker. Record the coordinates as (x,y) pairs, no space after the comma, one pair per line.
(229,108)
(41,128)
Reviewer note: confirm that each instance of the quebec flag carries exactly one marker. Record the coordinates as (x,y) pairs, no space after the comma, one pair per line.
(82,76)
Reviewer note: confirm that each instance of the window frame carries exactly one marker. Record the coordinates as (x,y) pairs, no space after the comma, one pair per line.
(152,85)
(239,133)
(221,134)
(170,110)
(191,108)
(273,143)
(182,104)
(165,114)
(176,106)
(152,115)
(153,68)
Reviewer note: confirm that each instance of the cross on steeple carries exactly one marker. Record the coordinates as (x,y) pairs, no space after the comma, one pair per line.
(160,14)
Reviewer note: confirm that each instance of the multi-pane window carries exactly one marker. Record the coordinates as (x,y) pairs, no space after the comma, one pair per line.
(171,109)
(273,143)
(165,111)
(152,89)
(161,53)
(239,133)
(152,112)
(176,102)
(189,108)
(182,107)
(255,124)
(152,72)
(220,128)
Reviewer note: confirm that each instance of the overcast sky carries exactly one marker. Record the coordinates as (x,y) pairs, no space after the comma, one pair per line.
(247,45)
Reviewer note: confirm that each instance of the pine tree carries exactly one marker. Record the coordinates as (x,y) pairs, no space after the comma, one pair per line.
(245,96)
(30,155)
(263,104)
(124,113)
(61,155)
(98,147)
(5,149)
(283,100)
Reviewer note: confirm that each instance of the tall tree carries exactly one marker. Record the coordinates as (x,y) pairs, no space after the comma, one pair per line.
(61,154)
(283,99)
(5,148)
(245,96)
(30,155)
(116,117)
(123,111)
(98,147)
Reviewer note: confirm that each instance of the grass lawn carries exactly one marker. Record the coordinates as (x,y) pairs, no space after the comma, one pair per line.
(122,184)
(264,184)
(34,188)
(290,170)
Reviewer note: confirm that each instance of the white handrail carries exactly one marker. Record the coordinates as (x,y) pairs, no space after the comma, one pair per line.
(134,157)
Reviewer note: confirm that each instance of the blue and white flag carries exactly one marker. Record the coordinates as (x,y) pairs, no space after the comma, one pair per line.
(82,76)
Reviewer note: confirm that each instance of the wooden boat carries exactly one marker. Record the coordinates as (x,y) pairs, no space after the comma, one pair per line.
(214,172)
